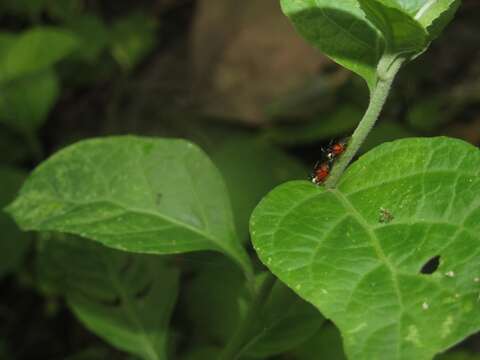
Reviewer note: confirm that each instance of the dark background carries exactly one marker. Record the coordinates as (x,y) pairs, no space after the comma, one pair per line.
(229,75)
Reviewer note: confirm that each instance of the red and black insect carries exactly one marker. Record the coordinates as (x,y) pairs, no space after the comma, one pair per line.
(322,168)
(336,149)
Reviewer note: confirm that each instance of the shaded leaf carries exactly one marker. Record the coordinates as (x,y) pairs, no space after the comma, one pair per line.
(204,353)
(251,169)
(93,36)
(34,50)
(125,299)
(286,321)
(336,250)
(13,242)
(402,33)
(340,30)
(325,344)
(458,355)
(28,100)
(136,194)
(221,300)
(435,15)
(132,38)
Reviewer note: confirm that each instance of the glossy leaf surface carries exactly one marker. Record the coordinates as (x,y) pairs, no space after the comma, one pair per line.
(357,252)
(136,194)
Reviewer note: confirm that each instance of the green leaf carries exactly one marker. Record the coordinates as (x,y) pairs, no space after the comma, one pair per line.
(240,157)
(144,195)
(286,321)
(89,354)
(12,148)
(221,300)
(341,31)
(402,33)
(132,38)
(458,355)
(34,50)
(434,15)
(92,34)
(28,100)
(325,344)
(356,252)
(203,353)
(125,299)
(13,242)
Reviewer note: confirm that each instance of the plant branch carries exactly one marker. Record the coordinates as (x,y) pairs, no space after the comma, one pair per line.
(238,340)
(387,69)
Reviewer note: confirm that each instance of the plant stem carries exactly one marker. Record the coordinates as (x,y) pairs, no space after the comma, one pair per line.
(240,337)
(387,69)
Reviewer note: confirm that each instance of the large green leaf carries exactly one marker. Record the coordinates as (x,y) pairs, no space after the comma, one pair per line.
(341,31)
(126,299)
(33,50)
(27,101)
(142,195)
(13,242)
(355,33)
(356,252)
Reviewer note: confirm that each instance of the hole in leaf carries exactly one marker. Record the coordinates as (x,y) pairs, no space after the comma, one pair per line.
(431,265)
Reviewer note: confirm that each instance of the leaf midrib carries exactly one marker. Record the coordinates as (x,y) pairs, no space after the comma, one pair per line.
(133,210)
(380,253)
(131,313)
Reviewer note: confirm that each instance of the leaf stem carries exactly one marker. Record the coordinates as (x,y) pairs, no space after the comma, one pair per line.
(238,340)
(386,71)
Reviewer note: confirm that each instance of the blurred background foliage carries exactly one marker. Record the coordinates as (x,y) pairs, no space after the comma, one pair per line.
(231,76)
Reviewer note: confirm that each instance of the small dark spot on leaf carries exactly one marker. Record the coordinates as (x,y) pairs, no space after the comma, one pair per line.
(431,266)
(158,199)
(385,216)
